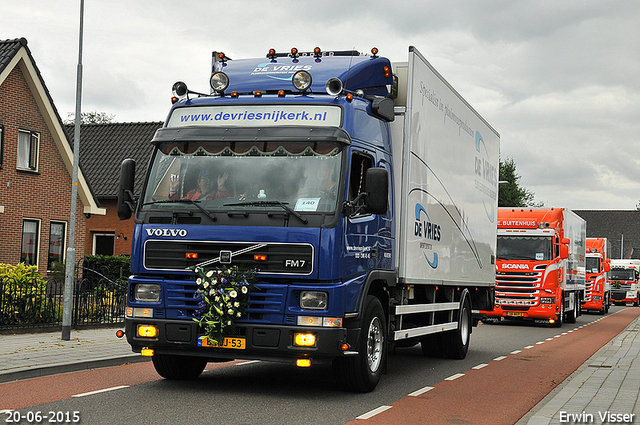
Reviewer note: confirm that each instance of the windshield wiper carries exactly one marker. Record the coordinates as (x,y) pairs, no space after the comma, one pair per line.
(270,203)
(188,201)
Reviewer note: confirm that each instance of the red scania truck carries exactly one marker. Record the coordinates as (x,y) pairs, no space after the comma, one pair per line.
(598,288)
(540,267)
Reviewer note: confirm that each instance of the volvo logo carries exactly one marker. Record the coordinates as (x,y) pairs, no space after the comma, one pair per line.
(168,233)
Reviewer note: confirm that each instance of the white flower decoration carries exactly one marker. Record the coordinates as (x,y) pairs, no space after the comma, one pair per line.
(199,281)
(210,273)
(233,294)
(244,290)
(236,304)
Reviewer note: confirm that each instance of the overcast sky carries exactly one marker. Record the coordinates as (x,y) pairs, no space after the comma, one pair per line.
(559,80)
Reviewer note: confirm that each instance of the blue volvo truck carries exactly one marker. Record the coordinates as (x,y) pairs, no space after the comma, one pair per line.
(362,193)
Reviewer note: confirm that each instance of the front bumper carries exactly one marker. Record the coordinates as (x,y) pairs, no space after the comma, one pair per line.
(537,312)
(263,342)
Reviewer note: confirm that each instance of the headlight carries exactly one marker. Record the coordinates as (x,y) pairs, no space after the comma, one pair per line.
(301,80)
(547,300)
(313,300)
(219,81)
(147,292)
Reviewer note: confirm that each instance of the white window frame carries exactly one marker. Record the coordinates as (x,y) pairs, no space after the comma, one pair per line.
(95,235)
(63,242)
(38,233)
(28,151)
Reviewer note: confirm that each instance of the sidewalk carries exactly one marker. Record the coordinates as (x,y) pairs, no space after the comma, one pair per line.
(24,356)
(605,389)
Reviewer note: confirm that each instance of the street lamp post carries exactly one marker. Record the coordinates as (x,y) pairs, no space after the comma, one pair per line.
(71,250)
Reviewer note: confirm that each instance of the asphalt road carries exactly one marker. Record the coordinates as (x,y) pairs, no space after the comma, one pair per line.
(264,393)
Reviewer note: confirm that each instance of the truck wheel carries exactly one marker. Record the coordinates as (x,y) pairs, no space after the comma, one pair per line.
(362,372)
(456,343)
(178,367)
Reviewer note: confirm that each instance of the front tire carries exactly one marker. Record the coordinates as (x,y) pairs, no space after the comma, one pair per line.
(456,343)
(178,367)
(361,373)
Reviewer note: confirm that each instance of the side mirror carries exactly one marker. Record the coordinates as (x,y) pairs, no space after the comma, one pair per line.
(126,201)
(376,184)
(607,267)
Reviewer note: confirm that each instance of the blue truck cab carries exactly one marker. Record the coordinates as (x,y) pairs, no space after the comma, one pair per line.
(284,168)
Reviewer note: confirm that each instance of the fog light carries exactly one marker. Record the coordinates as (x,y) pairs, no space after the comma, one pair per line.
(303,362)
(147,352)
(304,340)
(147,331)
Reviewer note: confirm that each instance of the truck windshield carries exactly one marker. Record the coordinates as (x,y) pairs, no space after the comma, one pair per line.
(303,176)
(622,274)
(593,265)
(535,248)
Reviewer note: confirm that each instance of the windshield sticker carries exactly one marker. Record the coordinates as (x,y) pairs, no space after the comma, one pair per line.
(256,115)
(307,204)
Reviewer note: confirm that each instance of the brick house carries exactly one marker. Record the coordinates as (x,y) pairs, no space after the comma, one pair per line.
(103,147)
(36,165)
(620,227)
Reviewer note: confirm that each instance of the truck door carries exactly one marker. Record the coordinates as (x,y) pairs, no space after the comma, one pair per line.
(367,236)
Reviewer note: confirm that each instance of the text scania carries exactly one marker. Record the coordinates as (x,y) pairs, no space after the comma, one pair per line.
(274,116)
(515,266)
(167,232)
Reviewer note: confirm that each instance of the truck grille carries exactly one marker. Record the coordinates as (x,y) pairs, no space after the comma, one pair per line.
(266,302)
(518,288)
(271,258)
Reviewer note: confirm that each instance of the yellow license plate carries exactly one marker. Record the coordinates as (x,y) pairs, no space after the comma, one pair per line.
(515,314)
(235,343)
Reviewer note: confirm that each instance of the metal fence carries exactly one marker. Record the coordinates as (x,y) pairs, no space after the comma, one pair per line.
(97,300)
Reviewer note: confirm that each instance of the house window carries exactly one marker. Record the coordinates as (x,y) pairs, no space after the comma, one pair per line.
(57,232)
(30,238)
(28,143)
(104,243)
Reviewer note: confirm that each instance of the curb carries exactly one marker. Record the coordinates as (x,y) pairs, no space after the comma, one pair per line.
(37,372)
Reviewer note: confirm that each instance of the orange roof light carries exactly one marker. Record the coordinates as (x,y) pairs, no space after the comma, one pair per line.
(271,54)
(294,52)
(374,52)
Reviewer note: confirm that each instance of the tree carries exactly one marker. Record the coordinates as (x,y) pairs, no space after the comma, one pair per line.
(510,193)
(93,117)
